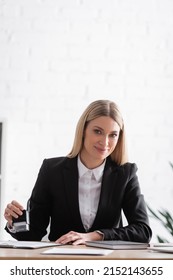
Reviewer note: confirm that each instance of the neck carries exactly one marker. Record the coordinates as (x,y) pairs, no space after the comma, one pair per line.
(90,164)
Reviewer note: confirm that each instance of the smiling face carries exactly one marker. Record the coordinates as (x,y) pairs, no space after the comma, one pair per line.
(100,139)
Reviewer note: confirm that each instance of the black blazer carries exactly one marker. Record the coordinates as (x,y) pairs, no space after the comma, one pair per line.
(54,199)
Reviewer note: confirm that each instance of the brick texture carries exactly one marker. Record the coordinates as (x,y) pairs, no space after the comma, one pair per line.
(58,56)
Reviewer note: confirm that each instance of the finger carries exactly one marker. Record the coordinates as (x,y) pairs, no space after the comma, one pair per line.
(13,210)
(68,238)
(7,216)
(17,204)
(65,240)
(80,241)
(65,236)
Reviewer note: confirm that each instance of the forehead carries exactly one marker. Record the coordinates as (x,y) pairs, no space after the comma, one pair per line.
(104,122)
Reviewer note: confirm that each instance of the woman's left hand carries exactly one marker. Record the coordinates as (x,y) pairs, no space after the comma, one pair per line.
(77,238)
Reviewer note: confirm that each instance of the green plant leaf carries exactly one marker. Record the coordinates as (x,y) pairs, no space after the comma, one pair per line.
(161,240)
(164,217)
(171,164)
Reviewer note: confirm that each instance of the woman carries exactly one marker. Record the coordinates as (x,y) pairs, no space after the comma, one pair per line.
(83,195)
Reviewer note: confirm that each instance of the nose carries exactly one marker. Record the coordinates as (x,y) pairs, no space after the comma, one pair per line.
(104,141)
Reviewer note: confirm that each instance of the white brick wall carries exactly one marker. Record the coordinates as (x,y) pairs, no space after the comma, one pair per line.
(58,56)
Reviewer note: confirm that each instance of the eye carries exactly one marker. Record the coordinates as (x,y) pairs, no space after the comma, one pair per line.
(97,131)
(114,135)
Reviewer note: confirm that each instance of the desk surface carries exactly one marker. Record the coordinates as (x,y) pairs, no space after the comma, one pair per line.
(35,254)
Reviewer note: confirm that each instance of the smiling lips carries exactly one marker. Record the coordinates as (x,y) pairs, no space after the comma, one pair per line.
(101,150)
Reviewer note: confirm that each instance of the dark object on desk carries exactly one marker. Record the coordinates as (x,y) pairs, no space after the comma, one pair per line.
(117,244)
(22,222)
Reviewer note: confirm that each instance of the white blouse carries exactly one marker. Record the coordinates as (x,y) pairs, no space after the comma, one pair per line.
(89,192)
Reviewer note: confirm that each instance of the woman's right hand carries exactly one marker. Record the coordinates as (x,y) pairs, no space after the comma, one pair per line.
(13,209)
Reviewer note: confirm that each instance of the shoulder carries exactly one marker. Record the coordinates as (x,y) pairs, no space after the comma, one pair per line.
(54,161)
(128,169)
(58,162)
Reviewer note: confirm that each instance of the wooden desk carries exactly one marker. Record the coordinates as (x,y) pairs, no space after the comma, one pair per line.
(35,254)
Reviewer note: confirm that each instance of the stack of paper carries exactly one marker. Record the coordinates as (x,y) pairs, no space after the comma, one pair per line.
(117,244)
(162,247)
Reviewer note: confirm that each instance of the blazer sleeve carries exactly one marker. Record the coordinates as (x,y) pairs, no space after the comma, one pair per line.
(134,208)
(39,208)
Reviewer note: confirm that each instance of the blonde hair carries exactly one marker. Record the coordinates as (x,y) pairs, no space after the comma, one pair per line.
(97,109)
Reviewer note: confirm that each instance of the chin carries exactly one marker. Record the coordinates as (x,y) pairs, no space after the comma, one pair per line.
(101,158)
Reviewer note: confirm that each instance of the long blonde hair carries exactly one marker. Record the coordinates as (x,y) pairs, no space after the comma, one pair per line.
(97,109)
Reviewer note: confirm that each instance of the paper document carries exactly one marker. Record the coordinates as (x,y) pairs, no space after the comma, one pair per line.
(26,244)
(162,245)
(76,251)
(162,249)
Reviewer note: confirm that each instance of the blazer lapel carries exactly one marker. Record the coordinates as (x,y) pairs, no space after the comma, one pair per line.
(71,190)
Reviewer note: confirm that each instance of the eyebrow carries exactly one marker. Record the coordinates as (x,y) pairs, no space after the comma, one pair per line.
(98,127)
